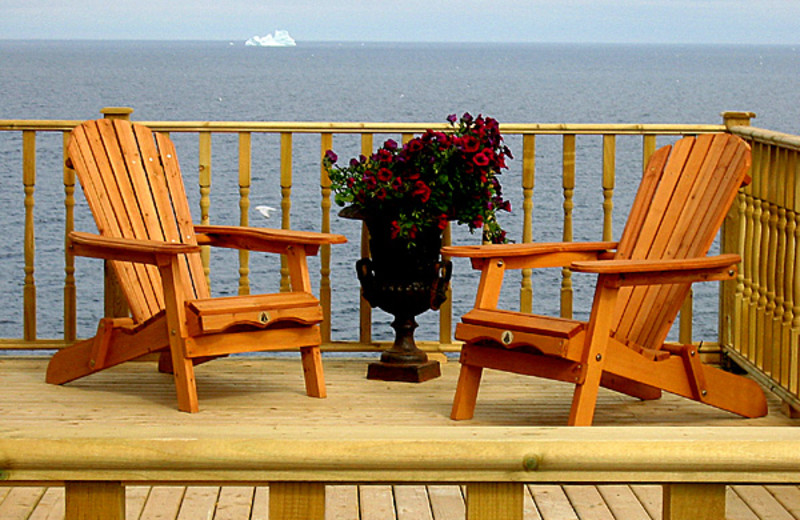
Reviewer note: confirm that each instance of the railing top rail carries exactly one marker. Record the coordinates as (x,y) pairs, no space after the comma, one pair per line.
(768,136)
(377,127)
(434,454)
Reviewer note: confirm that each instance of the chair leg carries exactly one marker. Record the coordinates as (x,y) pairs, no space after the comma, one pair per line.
(312,372)
(469,380)
(584,399)
(185,385)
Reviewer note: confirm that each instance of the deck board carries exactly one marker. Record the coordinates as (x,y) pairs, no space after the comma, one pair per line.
(263,392)
(543,502)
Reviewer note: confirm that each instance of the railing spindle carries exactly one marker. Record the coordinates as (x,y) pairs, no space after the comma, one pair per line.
(789,229)
(568,187)
(755,245)
(70,293)
(29,184)
(795,280)
(609,174)
(204,182)
(528,183)
(326,143)
(776,249)
(365,309)
(286,198)
(245,180)
(762,330)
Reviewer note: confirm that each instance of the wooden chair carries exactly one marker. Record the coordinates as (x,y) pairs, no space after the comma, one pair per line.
(642,281)
(133,186)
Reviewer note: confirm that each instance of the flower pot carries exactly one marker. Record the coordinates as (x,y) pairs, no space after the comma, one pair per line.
(405,282)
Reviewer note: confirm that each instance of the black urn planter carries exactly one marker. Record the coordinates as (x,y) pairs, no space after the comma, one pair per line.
(405,282)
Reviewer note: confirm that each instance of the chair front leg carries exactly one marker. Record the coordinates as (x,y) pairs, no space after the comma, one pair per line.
(182,366)
(584,399)
(469,381)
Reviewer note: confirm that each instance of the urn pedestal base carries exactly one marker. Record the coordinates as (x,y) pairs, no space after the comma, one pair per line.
(408,373)
(404,281)
(404,361)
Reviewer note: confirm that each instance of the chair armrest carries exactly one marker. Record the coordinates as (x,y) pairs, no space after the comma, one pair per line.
(264,239)
(654,272)
(125,249)
(540,254)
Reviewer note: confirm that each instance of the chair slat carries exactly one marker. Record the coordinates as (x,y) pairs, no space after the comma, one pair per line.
(89,156)
(182,214)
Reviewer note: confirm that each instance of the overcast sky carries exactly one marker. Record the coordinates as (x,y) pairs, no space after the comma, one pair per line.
(620,21)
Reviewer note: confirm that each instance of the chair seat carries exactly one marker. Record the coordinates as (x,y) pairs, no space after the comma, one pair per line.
(212,315)
(551,336)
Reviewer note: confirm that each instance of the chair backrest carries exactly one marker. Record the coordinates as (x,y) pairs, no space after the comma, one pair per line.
(685,194)
(132,183)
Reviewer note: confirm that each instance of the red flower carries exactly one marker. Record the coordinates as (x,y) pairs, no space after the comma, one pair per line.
(422,190)
(384,174)
(481,159)
(395,229)
(384,155)
(470,144)
(369,180)
(414,145)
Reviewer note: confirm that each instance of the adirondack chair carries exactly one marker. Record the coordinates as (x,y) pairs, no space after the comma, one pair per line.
(685,193)
(133,185)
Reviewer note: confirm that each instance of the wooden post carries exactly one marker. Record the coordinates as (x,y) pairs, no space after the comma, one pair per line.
(115,305)
(296,501)
(731,119)
(94,501)
(694,502)
(495,501)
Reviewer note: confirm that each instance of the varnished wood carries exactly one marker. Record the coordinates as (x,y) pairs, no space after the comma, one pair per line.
(297,501)
(94,501)
(135,190)
(694,502)
(493,500)
(685,193)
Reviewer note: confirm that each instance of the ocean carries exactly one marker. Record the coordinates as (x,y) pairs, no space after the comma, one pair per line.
(514,83)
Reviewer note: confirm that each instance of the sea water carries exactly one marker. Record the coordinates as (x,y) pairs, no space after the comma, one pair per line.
(514,83)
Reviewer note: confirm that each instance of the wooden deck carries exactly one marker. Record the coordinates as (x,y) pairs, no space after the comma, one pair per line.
(257,393)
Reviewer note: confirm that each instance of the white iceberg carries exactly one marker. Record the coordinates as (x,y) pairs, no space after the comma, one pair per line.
(279,38)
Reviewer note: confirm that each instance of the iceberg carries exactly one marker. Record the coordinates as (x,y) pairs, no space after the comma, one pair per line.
(279,38)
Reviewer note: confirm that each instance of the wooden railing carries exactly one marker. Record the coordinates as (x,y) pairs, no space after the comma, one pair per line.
(759,315)
(693,464)
(760,312)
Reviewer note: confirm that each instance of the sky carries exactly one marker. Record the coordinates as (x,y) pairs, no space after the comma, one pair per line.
(558,21)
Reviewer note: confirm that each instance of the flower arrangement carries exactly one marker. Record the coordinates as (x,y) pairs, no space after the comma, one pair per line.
(430,180)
